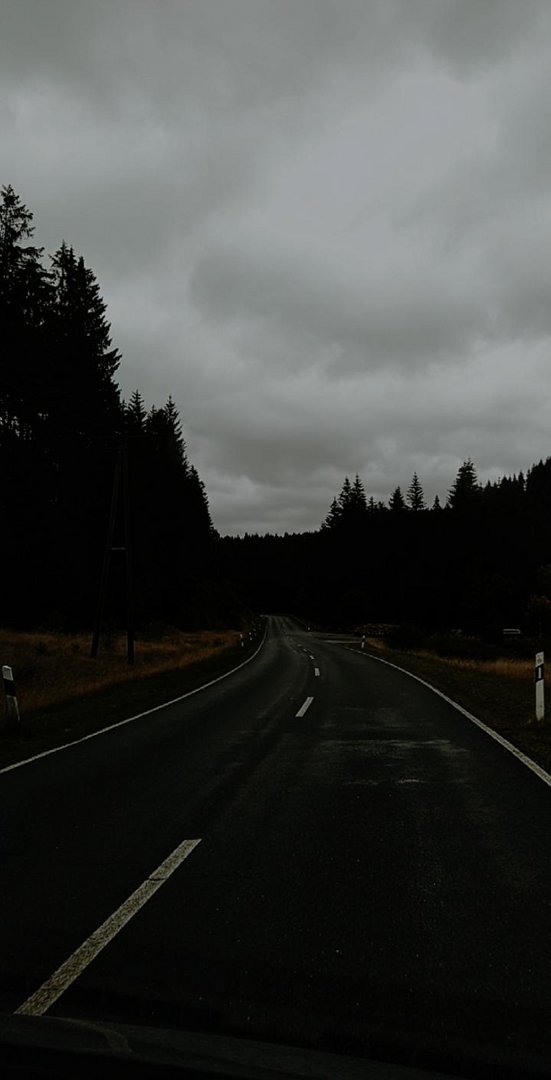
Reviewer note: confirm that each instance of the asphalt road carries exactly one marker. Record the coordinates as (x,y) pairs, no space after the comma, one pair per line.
(372,867)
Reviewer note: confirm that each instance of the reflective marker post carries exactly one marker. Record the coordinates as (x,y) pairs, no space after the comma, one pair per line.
(13,719)
(538,677)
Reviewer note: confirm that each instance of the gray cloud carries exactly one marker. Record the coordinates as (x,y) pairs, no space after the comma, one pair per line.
(322,225)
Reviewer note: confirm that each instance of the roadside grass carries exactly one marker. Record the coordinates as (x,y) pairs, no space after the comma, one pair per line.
(499,692)
(63,694)
(53,668)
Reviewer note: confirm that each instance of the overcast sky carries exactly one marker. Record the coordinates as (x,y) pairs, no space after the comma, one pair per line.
(323,226)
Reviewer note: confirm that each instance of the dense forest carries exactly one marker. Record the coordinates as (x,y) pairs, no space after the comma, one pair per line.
(479,562)
(62,425)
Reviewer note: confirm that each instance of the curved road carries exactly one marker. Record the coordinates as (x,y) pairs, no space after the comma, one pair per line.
(373,870)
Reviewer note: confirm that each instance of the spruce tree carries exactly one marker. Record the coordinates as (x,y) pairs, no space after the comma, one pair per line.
(415,496)
(174,428)
(135,415)
(396,501)
(465,490)
(345,497)
(199,502)
(27,490)
(333,517)
(85,363)
(25,297)
(357,496)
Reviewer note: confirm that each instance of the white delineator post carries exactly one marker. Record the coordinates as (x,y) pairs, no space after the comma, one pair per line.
(538,676)
(13,719)
(363,642)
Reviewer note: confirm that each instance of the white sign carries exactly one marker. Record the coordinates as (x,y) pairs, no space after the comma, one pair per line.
(539,677)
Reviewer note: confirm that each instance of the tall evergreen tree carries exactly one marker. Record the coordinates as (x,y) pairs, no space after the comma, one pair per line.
(357,496)
(345,497)
(85,362)
(465,490)
(415,496)
(200,504)
(397,501)
(174,427)
(15,257)
(332,519)
(135,415)
(25,296)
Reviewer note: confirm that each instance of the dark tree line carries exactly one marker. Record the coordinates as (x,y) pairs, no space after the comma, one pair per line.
(62,421)
(479,563)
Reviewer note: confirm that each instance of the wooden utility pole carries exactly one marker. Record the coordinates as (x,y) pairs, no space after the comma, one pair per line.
(120,490)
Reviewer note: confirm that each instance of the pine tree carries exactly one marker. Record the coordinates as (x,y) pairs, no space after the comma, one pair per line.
(15,226)
(415,496)
(333,517)
(465,490)
(349,509)
(352,506)
(357,496)
(436,504)
(199,502)
(25,296)
(177,443)
(135,415)
(345,497)
(396,501)
(85,363)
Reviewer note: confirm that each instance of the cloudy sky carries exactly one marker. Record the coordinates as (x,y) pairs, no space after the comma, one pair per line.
(323,226)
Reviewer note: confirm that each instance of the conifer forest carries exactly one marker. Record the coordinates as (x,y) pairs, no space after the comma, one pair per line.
(478,558)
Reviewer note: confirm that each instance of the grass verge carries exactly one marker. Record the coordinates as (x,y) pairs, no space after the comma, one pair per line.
(498,692)
(63,694)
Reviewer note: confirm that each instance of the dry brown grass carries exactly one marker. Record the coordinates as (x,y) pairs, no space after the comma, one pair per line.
(52,668)
(504,667)
(509,669)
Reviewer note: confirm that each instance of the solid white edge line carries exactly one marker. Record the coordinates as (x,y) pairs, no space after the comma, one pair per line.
(39,1002)
(138,716)
(535,768)
(304,707)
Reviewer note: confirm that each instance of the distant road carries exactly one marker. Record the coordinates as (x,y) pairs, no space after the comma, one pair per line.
(317,848)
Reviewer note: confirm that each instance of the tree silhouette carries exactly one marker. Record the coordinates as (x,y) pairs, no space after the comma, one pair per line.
(465,490)
(84,360)
(396,501)
(62,425)
(25,296)
(332,519)
(357,496)
(135,415)
(415,496)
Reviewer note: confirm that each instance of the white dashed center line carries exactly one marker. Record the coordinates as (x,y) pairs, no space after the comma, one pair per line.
(316,671)
(304,708)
